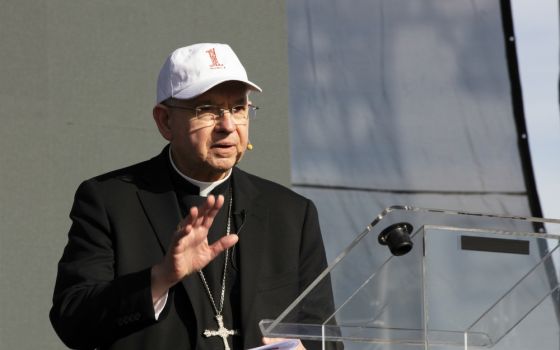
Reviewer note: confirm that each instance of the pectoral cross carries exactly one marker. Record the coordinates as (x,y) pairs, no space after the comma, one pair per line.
(222,332)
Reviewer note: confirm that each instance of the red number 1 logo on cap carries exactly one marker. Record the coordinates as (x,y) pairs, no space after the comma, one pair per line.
(214,58)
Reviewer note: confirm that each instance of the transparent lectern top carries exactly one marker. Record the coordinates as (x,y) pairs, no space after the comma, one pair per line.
(469,280)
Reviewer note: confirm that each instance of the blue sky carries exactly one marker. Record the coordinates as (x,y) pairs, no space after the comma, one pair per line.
(536,29)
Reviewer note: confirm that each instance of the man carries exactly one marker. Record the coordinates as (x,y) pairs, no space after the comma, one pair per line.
(185,250)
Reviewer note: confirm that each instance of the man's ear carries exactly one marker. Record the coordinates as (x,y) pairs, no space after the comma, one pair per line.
(161,117)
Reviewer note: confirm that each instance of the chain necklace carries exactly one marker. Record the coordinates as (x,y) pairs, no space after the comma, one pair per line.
(221,332)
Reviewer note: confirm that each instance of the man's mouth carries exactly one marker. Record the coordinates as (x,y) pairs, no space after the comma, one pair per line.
(223,145)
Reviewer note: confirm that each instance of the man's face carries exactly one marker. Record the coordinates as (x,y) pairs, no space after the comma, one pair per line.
(202,152)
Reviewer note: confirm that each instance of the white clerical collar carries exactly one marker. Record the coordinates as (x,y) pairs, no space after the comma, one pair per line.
(205,187)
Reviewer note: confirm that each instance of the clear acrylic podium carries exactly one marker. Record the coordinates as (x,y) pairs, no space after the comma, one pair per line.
(469,281)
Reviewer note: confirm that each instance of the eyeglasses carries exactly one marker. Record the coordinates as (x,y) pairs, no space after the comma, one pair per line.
(208,115)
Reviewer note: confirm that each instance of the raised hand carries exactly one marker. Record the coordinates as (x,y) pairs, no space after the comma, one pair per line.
(189,250)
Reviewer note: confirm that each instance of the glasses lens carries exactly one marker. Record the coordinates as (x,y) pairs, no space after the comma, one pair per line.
(206,115)
(239,114)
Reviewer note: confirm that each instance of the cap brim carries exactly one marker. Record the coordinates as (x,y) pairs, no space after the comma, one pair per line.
(202,86)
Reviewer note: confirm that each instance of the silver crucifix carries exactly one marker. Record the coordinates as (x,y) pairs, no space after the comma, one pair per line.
(222,332)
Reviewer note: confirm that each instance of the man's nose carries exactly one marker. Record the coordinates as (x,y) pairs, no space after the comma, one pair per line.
(225,120)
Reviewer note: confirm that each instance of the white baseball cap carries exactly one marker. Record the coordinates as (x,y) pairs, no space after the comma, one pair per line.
(192,70)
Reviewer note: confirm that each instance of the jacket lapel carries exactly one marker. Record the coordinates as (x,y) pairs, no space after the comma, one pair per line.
(158,199)
(246,198)
(160,204)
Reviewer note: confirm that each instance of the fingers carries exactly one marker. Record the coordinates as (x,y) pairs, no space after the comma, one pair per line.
(203,215)
(188,220)
(210,210)
(222,244)
(196,226)
(268,341)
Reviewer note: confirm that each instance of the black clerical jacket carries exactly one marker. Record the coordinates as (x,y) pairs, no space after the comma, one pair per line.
(121,226)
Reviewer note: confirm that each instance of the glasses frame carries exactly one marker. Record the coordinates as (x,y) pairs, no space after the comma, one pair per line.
(251,112)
